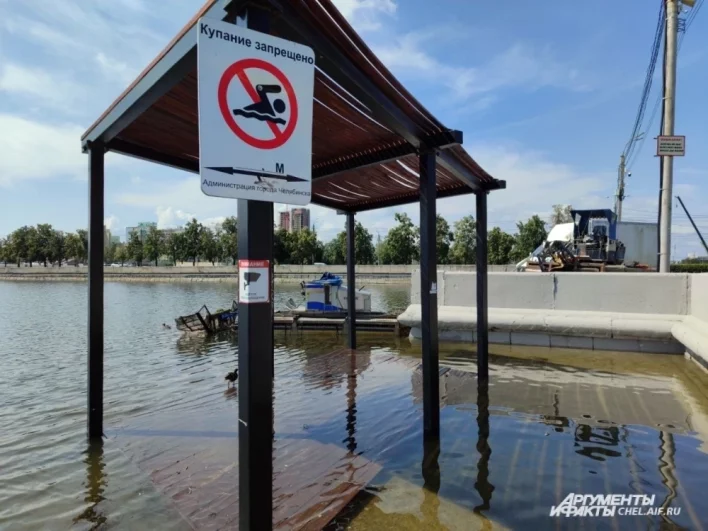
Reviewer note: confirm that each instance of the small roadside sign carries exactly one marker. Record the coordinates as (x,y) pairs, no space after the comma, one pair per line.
(255,114)
(254,281)
(671,146)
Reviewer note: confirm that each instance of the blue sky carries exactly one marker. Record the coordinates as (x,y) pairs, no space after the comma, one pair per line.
(546,94)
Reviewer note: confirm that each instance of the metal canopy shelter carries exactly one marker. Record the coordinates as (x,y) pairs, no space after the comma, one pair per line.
(374,146)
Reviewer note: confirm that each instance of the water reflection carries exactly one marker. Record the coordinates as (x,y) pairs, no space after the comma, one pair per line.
(482,484)
(351,403)
(95,486)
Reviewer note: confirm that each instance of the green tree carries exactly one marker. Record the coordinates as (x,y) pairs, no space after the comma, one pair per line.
(561,214)
(464,246)
(154,244)
(18,245)
(4,250)
(174,246)
(529,236)
(192,240)
(282,246)
(305,247)
(209,245)
(57,247)
(33,245)
(83,238)
(135,248)
(73,247)
(443,239)
(42,242)
(121,254)
(499,246)
(334,250)
(229,238)
(401,245)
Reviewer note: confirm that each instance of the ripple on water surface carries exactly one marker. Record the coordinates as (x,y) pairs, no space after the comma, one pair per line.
(550,423)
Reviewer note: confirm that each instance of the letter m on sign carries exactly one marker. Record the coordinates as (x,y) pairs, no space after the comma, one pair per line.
(279,167)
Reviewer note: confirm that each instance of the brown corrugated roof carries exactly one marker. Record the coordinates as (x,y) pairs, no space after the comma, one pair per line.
(346,132)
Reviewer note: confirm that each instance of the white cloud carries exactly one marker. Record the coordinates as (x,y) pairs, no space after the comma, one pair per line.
(111,222)
(168,217)
(116,70)
(519,66)
(39,89)
(58,147)
(365,15)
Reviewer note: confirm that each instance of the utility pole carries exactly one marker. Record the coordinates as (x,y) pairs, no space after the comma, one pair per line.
(672,11)
(620,188)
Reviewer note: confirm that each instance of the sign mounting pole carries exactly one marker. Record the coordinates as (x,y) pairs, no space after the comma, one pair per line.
(255,347)
(255,95)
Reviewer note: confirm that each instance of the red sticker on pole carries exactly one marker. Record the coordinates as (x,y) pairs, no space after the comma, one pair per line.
(272,112)
(254,281)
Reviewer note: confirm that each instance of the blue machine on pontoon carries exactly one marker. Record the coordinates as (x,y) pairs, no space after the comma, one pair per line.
(329,294)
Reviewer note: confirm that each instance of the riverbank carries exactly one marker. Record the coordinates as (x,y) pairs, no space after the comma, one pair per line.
(370,274)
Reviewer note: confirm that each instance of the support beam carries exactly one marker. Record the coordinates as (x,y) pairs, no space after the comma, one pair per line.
(429,297)
(255,361)
(482,301)
(95,291)
(151,155)
(351,279)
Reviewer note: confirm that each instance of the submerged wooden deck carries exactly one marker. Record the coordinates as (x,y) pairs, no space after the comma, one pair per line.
(194,462)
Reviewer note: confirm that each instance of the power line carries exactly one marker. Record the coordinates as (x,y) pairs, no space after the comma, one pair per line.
(689,20)
(648,80)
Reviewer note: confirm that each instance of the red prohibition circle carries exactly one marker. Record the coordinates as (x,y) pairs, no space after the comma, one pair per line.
(235,70)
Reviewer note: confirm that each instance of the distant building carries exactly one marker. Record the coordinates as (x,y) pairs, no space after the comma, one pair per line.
(106,237)
(285,220)
(142,229)
(299,219)
(115,239)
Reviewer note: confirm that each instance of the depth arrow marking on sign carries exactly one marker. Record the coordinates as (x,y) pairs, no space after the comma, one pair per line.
(267,174)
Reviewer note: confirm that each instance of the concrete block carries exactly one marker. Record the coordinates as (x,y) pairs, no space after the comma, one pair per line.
(521,291)
(415,287)
(502,338)
(699,296)
(693,335)
(534,340)
(661,347)
(578,324)
(466,336)
(625,345)
(457,318)
(641,328)
(576,342)
(622,292)
(460,289)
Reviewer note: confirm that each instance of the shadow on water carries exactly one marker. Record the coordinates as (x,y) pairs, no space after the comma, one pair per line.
(96,480)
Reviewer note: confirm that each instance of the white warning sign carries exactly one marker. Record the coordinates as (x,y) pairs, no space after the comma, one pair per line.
(255,114)
(254,281)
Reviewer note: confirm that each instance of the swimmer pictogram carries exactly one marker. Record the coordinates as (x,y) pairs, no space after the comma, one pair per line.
(262,108)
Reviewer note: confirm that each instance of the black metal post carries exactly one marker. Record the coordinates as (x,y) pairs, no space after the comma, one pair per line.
(351,278)
(482,302)
(429,297)
(255,361)
(95,291)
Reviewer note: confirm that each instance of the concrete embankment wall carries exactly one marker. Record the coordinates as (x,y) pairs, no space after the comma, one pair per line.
(649,312)
(371,274)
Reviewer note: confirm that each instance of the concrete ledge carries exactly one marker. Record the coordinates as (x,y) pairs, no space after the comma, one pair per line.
(552,322)
(693,334)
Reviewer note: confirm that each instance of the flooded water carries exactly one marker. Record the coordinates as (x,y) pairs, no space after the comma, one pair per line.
(551,423)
